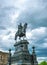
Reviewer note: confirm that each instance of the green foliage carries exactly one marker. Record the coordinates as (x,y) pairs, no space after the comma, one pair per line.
(43,63)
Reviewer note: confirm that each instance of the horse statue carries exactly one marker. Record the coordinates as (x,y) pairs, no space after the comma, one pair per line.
(21,31)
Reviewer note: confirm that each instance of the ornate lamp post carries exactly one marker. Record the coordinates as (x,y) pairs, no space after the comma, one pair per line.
(9,56)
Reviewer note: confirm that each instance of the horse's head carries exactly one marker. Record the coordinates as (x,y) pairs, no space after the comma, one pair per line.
(25,25)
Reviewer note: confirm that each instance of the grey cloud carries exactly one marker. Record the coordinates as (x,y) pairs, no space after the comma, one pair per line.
(33,20)
(2,28)
(34,17)
(6,44)
(5,19)
(34,12)
(42,52)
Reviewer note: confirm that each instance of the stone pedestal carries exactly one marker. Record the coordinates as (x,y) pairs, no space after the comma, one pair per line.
(21,55)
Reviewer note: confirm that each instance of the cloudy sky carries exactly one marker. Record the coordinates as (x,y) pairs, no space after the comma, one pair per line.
(34,12)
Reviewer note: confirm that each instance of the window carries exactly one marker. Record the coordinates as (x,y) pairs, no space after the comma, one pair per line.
(0,57)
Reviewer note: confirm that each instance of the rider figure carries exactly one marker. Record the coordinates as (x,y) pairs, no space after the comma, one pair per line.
(20,28)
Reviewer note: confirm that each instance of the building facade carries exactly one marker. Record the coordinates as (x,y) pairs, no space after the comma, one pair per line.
(3,58)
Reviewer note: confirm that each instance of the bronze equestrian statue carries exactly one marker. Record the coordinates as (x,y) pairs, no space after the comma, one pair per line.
(21,31)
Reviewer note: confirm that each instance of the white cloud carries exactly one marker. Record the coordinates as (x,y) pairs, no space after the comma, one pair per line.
(32,11)
(28,34)
(7,39)
(40,59)
(14,16)
(39,33)
(44,45)
(37,37)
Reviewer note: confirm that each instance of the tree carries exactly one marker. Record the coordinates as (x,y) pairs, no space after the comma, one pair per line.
(43,63)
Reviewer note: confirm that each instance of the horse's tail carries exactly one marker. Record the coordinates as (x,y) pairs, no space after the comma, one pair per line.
(16,36)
